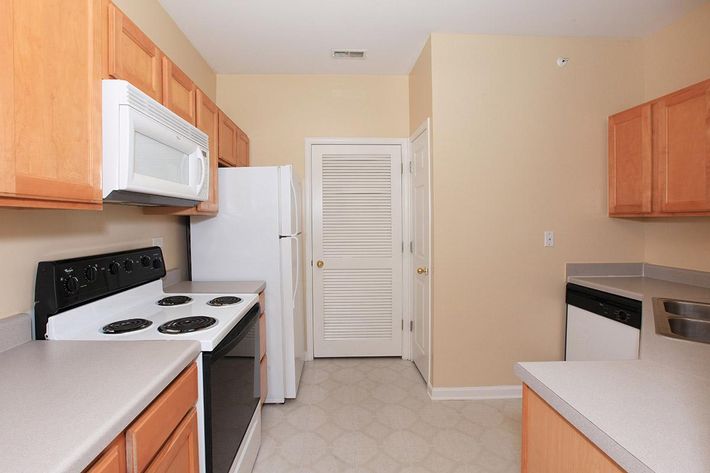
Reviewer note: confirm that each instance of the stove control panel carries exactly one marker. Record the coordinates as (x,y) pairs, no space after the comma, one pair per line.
(64,284)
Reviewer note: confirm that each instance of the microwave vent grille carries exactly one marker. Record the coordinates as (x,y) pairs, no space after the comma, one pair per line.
(138,100)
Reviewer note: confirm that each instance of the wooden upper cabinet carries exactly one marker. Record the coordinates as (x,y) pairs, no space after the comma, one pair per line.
(630,162)
(242,148)
(208,121)
(113,459)
(228,133)
(132,56)
(50,117)
(682,123)
(179,91)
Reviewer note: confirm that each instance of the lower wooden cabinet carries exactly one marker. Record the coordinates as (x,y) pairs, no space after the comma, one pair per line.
(179,454)
(146,436)
(264,387)
(553,445)
(163,438)
(113,459)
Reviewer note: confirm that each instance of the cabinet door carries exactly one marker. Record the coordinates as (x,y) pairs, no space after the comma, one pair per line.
(553,445)
(242,148)
(682,124)
(132,56)
(179,454)
(178,91)
(51,136)
(228,133)
(263,378)
(630,162)
(112,460)
(208,121)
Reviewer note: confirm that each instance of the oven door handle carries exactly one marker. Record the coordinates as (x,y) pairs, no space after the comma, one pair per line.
(237,334)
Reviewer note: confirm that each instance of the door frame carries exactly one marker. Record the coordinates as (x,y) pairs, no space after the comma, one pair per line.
(425,127)
(407,294)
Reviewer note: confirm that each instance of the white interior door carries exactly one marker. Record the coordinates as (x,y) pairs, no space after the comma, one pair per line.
(421,283)
(357,250)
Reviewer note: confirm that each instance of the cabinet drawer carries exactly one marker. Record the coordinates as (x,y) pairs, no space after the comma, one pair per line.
(180,451)
(148,433)
(262,336)
(263,388)
(112,460)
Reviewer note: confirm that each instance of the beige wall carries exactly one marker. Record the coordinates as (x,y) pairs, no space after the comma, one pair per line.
(28,236)
(150,17)
(279,111)
(420,107)
(675,57)
(519,148)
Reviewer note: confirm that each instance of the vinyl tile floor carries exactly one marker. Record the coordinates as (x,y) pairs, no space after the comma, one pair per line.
(373,415)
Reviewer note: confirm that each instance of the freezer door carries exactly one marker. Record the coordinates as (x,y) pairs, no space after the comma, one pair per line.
(290,201)
(294,322)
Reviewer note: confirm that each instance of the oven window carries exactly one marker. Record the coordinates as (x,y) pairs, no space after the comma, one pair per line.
(234,393)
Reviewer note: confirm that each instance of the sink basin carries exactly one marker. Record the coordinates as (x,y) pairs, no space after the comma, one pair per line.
(686,320)
(690,329)
(693,310)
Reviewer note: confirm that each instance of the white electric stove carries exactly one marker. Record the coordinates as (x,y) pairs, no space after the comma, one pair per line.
(119,296)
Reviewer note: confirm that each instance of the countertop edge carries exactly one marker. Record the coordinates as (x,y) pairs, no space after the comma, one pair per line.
(585,281)
(598,437)
(96,444)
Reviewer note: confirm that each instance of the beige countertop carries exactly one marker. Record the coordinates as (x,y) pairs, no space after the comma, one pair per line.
(650,415)
(217,287)
(63,402)
(646,417)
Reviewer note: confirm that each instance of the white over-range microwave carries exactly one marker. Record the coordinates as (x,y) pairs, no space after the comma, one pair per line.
(151,156)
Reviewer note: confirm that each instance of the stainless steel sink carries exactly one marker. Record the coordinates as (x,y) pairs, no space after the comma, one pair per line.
(686,320)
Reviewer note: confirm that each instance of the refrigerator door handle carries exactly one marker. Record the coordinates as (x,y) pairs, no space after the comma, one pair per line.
(298,272)
(296,224)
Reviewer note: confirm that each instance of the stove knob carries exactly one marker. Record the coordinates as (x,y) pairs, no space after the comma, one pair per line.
(145,261)
(91,272)
(128,265)
(71,284)
(157,264)
(114,268)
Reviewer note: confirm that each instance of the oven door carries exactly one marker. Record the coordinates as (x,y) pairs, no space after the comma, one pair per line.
(231,391)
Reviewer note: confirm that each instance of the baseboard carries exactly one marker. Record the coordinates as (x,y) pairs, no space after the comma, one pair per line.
(512,391)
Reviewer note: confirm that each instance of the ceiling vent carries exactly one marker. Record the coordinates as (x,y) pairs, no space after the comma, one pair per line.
(348,53)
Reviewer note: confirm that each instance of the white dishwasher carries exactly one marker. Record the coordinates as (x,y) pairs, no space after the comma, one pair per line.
(601,326)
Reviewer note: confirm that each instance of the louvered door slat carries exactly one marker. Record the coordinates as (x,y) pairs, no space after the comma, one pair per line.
(357,233)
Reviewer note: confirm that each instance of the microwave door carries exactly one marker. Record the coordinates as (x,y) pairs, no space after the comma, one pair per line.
(161,161)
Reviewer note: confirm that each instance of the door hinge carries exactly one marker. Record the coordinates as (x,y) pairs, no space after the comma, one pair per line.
(402,324)
(401,167)
(411,246)
(402,247)
(411,167)
(411,326)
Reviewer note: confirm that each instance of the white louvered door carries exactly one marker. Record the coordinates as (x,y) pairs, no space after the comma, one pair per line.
(357,235)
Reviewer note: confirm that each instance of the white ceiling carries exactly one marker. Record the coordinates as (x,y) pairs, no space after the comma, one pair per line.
(296,36)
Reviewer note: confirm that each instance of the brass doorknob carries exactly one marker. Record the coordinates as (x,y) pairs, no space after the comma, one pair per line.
(320,263)
(422,270)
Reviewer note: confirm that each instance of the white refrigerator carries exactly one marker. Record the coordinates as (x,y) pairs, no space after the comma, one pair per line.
(257,236)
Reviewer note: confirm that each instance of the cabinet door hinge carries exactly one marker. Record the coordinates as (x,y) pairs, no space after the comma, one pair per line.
(411,167)
(411,326)
(402,324)
(402,247)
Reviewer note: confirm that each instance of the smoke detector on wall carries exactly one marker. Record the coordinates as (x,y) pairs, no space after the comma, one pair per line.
(348,53)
